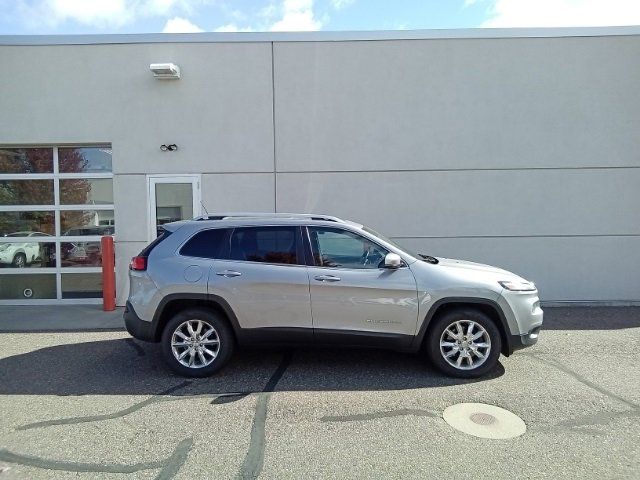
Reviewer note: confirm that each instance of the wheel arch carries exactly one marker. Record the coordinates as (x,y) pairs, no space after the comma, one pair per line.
(487,306)
(173,303)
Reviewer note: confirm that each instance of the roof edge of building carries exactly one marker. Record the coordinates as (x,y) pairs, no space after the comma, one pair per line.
(321,36)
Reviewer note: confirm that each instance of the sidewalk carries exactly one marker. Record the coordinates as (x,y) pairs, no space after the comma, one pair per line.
(34,318)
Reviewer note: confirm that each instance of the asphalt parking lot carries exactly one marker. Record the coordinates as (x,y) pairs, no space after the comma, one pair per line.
(102,405)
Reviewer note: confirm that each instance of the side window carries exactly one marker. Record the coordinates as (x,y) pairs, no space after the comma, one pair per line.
(207,244)
(333,247)
(265,244)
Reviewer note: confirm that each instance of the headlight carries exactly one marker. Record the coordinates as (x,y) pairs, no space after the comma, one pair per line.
(4,246)
(518,285)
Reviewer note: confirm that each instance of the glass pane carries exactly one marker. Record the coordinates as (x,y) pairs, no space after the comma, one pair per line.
(81,285)
(81,254)
(84,160)
(86,191)
(87,222)
(338,248)
(27,254)
(174,201)
(22,224)
(264,244)
(26,160)
(26,192)
(20,287)
(207,244)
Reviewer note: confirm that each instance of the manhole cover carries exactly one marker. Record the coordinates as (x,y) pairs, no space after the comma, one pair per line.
(485,421)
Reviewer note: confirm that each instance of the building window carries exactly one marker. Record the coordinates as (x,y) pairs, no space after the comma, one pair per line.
(55,204)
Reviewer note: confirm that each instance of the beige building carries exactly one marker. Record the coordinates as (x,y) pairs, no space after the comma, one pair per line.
(518,148)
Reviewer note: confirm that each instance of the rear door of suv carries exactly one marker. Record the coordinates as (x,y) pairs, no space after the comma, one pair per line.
(265,281)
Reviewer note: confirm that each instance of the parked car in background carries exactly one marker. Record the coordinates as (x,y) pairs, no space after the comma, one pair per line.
(22,254)
(207,285)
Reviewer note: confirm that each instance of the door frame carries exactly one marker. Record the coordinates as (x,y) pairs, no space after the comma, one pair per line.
(153,180)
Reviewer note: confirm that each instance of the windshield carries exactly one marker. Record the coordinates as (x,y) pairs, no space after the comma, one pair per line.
(391,242)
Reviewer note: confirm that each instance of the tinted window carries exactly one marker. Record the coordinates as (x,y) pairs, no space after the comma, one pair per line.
(265,244)
(206,244)
(162,235)
(333,247)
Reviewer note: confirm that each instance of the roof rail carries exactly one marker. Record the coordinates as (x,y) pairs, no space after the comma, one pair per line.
(309,216)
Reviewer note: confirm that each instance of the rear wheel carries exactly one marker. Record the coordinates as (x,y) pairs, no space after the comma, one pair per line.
(197,342)
(464,343)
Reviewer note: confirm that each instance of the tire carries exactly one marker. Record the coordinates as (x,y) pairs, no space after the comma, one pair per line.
(208,319)
(446,358)
(19,260)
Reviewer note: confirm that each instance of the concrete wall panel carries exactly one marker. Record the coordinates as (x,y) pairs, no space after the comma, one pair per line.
(463,203)
(455,104)
(219,113)
(563,268)
(236,192)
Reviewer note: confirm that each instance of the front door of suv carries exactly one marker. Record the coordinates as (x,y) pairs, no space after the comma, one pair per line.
(354,299)
(264,279)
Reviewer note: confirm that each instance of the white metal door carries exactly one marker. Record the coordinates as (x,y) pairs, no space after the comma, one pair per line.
(172,198)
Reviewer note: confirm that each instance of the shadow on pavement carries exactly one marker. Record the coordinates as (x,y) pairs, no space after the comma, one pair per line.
(129,367)
(590,318)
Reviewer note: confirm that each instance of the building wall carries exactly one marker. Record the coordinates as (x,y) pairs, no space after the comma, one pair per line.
(519,152)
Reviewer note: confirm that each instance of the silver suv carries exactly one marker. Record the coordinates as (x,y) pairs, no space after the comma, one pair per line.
(205,286)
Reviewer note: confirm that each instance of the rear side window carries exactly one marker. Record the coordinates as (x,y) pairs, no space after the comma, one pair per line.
(265,244)
(207,244)
(162,235)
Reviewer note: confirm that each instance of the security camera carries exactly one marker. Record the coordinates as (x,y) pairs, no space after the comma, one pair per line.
(165,70)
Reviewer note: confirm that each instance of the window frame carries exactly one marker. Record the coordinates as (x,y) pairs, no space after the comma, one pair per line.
(309,249)
(299,240)
(57,238)
(225,247)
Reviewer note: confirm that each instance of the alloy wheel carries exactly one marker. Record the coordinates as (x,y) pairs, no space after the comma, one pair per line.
(195,343)
(465,344)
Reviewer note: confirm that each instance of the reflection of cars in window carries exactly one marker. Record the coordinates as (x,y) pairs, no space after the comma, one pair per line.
(22,254)
(83,253)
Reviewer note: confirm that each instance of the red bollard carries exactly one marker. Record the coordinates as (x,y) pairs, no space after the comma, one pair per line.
(108,274)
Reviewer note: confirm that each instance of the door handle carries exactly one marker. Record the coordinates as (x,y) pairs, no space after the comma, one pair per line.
(327,278)
(229,273)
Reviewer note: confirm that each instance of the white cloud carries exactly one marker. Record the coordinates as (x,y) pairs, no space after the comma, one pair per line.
(563,13)
(180,25)
(297,16)
(232,27)
(340,4)
(100,13)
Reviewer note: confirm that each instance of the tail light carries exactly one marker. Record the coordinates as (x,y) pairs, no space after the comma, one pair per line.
(138,264)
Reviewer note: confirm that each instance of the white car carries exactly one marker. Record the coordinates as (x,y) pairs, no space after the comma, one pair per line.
(21,254)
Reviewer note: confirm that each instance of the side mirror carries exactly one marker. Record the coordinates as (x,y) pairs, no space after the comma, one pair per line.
(392,260)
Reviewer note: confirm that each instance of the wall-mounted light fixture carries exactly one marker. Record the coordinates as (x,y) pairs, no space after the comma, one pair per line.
(171,148)
(165,70)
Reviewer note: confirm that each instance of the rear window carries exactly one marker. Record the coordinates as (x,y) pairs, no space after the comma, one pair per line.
(207,244)
(162,235)
(265,244)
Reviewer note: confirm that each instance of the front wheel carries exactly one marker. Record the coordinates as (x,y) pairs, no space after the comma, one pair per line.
(197,342)
(464,343)
(19,261)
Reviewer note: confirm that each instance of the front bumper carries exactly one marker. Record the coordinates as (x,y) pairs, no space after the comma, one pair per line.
(137,327)
(519,342)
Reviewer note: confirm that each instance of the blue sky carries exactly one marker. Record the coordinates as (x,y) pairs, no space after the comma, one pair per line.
(141,16)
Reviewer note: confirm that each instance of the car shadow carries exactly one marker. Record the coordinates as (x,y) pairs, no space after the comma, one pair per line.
(128,367)
(590,318)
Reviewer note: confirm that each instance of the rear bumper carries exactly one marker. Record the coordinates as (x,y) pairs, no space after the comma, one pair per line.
(137,327)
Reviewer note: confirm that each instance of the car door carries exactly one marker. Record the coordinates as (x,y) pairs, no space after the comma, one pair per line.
(265,281)
(354,299)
